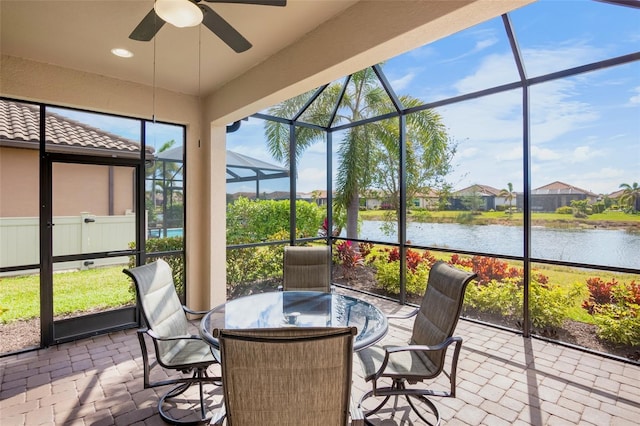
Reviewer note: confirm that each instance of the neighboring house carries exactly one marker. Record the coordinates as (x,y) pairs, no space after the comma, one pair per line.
(428,200)
(372,200)
(617,195)
(100,190)
(376,200)
(320,197)
(475,197)
(549,197)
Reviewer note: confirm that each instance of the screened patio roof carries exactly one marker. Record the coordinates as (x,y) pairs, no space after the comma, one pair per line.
(240,167)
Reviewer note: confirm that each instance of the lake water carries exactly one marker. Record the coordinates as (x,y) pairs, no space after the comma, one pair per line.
(591,246)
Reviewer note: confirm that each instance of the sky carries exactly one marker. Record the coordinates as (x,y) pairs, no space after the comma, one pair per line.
(585,129)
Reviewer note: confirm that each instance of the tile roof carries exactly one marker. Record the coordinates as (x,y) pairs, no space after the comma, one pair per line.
(557,187)
(20,127)
(483,190)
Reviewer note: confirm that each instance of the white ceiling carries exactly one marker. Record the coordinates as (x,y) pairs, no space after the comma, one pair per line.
(80,35)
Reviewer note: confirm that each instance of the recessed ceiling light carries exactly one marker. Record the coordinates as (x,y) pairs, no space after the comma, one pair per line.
(123,53)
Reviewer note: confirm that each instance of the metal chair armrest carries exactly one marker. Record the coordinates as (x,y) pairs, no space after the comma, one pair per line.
(155,336)
(192,312)
(416,348)
(404,316)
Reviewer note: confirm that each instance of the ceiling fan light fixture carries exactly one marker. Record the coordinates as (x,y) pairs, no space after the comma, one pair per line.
(179,13)
(122,52)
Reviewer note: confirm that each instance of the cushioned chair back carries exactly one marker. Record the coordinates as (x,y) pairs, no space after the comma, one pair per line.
(307,268)
(440,308)
(160,304)
(287,376)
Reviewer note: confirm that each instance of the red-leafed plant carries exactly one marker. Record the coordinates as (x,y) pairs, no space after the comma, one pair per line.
(599,290)
(414,258)
(350,258)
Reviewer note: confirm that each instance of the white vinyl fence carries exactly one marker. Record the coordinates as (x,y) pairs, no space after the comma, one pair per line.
(87,233)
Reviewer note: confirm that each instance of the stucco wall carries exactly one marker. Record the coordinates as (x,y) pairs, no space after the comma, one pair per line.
(77,188)
(20,180)
(28,80)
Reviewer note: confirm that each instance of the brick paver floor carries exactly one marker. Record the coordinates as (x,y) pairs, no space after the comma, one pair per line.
(503,379)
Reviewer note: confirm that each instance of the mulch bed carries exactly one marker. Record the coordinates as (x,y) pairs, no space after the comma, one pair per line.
(21,335)
(572,332)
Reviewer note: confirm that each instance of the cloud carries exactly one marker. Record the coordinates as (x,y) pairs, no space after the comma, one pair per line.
(484,40)
(555,111)
(488,119)
(543,60)
(584,153)
(401,83)
(467,153)
(602,181)
(514,153)
(493,70)
(544,154)
(635,99)
(311,178)
(605,172)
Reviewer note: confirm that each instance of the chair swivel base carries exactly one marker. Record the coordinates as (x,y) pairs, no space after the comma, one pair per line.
(178,390)
(398,389)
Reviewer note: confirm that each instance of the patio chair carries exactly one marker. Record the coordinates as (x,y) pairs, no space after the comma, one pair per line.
(423,358)
(307,268)
(175,348)
(287,376)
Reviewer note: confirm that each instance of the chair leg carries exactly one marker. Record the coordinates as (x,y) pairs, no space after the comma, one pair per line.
(396,389)
(199,376)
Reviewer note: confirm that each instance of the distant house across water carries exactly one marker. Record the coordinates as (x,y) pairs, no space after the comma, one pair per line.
(475,197)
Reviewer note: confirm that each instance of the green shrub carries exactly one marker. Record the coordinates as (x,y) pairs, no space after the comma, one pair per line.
(249,221)
(564,210)
(494,297)
(619,321)
(464,218)
(174,217)
(386,262)
(549,304)
(598,207)
(388,276)
(422,215)
(247,266)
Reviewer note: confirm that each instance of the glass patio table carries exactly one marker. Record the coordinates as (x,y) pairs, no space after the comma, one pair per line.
(298,309)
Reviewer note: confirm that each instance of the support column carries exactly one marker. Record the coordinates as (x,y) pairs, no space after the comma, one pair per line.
(217,217)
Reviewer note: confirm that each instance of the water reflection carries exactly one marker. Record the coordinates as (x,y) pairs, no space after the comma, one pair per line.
(610,247)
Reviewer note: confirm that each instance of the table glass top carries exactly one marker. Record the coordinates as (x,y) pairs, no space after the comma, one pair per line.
(298,309)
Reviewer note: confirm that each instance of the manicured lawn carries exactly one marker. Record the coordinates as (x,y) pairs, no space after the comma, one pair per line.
(83,291)
(503,218)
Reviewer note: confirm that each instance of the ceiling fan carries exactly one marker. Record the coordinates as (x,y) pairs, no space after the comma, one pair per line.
(152,22)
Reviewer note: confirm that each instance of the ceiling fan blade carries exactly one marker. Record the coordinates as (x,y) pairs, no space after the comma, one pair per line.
(280,3)
(224,30)
(147,28)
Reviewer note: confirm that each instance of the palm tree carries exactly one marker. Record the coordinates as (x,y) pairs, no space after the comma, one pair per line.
(366,148)
(508,194)
(630,194)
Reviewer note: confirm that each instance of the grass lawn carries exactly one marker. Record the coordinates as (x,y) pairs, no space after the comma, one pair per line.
(503,218)
(73,292)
